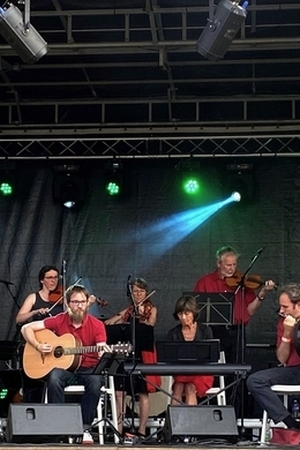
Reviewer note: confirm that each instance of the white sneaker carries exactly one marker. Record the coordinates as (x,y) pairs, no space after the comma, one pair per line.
(87,438)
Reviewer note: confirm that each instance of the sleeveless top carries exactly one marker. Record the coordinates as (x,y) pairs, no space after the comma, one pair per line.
(40,303)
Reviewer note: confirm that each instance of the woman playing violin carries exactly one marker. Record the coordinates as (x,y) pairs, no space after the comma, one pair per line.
(146,313)
(37,304)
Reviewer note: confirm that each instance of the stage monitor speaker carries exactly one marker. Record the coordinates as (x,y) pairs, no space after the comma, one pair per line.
(28,44)
(221,30)
(201,421)
(43,423)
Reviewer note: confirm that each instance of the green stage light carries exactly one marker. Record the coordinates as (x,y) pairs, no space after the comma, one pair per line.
(6,188)
(113,188)
(113,178)
(191,186)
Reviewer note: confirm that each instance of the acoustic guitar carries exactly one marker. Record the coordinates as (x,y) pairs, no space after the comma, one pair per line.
(66,353)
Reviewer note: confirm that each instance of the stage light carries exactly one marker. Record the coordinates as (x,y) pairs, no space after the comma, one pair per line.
(114,178)
(20,34)
(221,29)
(236,196)
(7,179)
(239,181)
(68,186)
(191,185)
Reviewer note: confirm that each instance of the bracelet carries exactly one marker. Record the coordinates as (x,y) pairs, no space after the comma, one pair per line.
(286,340)
(260,298)
(36,347)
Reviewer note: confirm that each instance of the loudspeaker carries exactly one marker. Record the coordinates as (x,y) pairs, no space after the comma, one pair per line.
(201,421)
(28,44)
(41,423)
(221,30)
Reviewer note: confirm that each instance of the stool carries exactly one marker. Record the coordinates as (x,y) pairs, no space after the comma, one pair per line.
(280,389)
(99,420)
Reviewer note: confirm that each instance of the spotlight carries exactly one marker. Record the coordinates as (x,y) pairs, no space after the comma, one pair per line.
(21,35)
(240,180)
(191,185)
(7,179)
(236,197)
(114,178)
(221,29)
(68,188)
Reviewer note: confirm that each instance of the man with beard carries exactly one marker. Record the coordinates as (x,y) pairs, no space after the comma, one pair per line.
(90,332)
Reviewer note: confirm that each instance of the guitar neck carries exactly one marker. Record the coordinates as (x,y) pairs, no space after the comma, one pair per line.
(82,350)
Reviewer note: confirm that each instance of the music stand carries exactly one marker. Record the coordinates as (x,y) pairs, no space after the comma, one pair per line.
(215,308)
(108,366)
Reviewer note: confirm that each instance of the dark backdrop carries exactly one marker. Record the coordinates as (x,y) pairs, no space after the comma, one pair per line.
(106,240)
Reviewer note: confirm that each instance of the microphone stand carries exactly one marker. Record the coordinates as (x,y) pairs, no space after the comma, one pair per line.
(241,286)
(134,316)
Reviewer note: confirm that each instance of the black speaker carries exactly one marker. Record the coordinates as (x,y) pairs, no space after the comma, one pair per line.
(201,421)
(41,423)
(221,30)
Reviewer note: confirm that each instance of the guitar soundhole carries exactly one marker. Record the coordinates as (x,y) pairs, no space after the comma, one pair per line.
(58,352)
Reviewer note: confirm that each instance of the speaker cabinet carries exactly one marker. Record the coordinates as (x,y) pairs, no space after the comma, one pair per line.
(201,421)
(41,423)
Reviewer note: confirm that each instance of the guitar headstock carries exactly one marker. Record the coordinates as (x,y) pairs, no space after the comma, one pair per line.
(122,348)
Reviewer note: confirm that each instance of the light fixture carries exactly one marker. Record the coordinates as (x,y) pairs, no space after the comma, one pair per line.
(68,186)
(113,178)
(190,176)
(20,34)
(239,182)
(221,29)
(7,179)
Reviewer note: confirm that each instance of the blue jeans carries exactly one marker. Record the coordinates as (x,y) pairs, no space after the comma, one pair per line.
(58,379)
(259,384)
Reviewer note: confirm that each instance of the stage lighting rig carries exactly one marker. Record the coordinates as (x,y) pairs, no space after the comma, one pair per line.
(221,29)
(20,34)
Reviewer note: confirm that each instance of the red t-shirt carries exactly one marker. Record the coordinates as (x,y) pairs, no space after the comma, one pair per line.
(91,331)
(213,283)
(294,358)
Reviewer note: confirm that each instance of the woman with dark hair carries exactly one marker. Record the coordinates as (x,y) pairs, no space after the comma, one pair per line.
(146,313)
(37,304)
(189,386)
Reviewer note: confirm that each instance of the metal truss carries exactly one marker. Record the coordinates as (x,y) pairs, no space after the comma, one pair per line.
(171,147)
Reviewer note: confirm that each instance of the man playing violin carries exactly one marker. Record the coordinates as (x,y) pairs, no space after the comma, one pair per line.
(259,383)
(246,301)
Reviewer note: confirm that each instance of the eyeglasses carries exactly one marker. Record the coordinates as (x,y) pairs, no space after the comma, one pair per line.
(78,302)
(51,278)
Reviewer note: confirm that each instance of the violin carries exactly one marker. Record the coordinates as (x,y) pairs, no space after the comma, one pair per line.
(250,281)
(56,296)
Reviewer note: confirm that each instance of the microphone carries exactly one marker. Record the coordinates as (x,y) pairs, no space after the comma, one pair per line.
(259,251)
(6,282)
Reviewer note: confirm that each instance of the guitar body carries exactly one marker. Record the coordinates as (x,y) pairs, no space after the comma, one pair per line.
(37,365)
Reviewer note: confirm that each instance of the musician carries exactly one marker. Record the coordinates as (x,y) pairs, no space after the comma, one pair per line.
(37,304)
(189,386)
(90,331)
(259,383)
(246,301)
(146,313)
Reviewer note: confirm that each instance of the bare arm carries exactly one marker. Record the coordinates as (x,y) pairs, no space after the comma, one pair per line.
(253,306)
(28,332)
(27,310)
(116,319)
(284,349)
